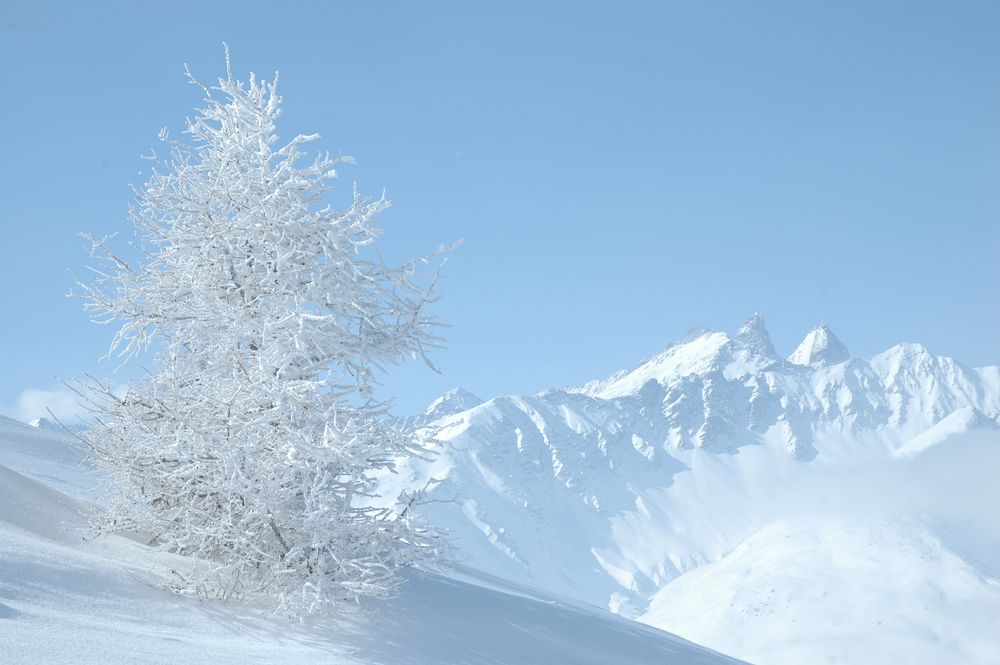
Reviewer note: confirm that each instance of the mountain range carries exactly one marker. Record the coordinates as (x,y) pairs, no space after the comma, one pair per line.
(818,505)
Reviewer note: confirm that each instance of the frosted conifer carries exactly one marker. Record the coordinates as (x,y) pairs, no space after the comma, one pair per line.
(252,444)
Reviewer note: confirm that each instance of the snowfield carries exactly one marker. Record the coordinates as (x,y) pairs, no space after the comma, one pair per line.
(67,599)
(854,591)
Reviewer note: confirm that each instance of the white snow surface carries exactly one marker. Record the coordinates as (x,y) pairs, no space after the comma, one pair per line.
(839,590)
(67,598)
(670,492)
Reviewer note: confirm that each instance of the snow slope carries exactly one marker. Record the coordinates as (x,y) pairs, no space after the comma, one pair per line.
(839,590)
(66,598)
(615,491)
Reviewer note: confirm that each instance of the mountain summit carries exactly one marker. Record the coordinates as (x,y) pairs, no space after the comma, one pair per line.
(819,348)
(752,345)
(455,400)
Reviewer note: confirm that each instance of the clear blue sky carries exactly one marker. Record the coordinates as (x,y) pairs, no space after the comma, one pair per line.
(618,171)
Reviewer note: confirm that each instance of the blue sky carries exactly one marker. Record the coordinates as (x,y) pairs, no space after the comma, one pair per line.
(619,172)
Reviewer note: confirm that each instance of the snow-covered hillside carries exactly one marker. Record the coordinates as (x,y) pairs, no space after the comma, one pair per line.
(876,590)
(674,485)
(67,599)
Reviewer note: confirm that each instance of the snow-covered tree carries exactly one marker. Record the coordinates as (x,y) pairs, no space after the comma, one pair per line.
(253,443)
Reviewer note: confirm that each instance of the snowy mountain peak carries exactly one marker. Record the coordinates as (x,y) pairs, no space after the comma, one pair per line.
(819,348)
(752,344)
(454,401)
(753,326)
(45,423)
(693,334)
(699,352)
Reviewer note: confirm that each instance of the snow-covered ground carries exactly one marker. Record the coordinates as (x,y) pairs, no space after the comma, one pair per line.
(839,590)
(69,599)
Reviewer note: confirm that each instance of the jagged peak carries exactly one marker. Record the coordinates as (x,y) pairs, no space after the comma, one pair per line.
(754,338)
(754,323)
(819,348)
